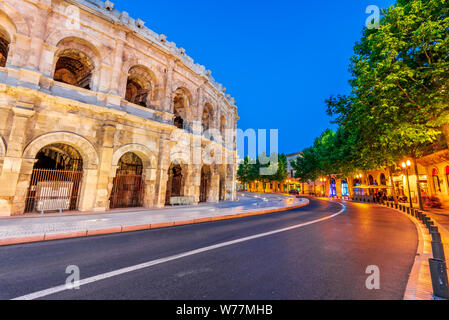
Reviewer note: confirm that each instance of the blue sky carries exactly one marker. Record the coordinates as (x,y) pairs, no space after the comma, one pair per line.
(279,59)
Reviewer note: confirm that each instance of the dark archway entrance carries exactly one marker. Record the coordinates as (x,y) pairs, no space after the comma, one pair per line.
(205,183)
(56,180)
(127,191)
(175,183)
(75,68)
(4,49)
(222,189)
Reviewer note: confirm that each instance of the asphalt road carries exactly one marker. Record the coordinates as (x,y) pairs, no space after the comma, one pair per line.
(323,260)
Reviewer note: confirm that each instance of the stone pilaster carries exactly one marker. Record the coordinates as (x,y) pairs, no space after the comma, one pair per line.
(105,170)
(16,172)
(214,190)
(162,170)
(88,194)
(114,85)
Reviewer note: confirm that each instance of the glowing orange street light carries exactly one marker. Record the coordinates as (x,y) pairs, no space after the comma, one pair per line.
(406,165)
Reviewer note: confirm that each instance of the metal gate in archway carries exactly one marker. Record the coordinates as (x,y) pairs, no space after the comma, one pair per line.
(52,190)
(127,191)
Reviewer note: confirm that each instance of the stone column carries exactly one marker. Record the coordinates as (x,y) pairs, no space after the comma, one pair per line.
(114,85)
(88,190)
(167,103)
(214,190)
(105,168)
(37,37)
(149,191)
(19,51)
(162,170)
(16,172)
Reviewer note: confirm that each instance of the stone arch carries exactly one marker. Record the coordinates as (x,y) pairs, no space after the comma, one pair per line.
(21,26)
(81,144)
(207,117)
(382,179)
(147,156)
(58,36)
(140,85)
(182,102)
(76,62)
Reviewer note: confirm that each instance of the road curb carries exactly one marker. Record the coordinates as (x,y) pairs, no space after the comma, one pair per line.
(132,228)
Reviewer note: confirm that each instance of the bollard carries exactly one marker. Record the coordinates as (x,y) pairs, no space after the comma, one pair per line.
(395,205)
(429,224)
(408,210)
(419,215)
(438,251)
(434,229)
(438,273)
(423,217)
(436,236)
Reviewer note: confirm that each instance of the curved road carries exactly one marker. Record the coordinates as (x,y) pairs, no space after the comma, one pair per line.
(323,260)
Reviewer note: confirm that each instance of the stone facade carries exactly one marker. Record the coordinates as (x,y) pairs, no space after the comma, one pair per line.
(119,88)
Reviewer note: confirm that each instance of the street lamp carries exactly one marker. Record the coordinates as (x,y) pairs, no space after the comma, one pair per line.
(406,166)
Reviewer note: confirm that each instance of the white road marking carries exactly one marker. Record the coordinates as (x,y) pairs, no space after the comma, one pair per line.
(51,291)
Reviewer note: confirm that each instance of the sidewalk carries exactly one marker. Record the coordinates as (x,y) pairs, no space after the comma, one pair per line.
(42,228)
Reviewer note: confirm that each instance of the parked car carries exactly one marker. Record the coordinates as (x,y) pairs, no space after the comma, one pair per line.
(293,192)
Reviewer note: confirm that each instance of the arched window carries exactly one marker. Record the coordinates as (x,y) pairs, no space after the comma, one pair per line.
(206,119)
(4,49)
(344,188)
(333,188)
(75,68)
(181,103)
(436,180)
(383,179)
(371,180)
(138,87)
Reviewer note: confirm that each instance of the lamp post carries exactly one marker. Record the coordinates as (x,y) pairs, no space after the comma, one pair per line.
(406,166)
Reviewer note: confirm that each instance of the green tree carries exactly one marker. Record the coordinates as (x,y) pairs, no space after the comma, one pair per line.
(399,99)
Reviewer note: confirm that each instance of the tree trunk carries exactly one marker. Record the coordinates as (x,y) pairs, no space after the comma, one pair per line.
(390,172)
(420,203)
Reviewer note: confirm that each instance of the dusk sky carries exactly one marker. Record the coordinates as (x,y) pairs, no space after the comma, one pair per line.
(280,59)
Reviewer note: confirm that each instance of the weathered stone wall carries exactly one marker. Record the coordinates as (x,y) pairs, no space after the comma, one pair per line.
(100,124)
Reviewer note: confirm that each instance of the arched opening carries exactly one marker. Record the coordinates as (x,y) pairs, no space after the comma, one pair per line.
(222,186)
(333,188)
(383,179)
(75,68)
(175,183)
(436,180)
(180,106)
(55,180)
(344,188)
(206,119)
(205,183)
(357,182)
(127,190)
(370,180)
(4,49)
(138,87)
